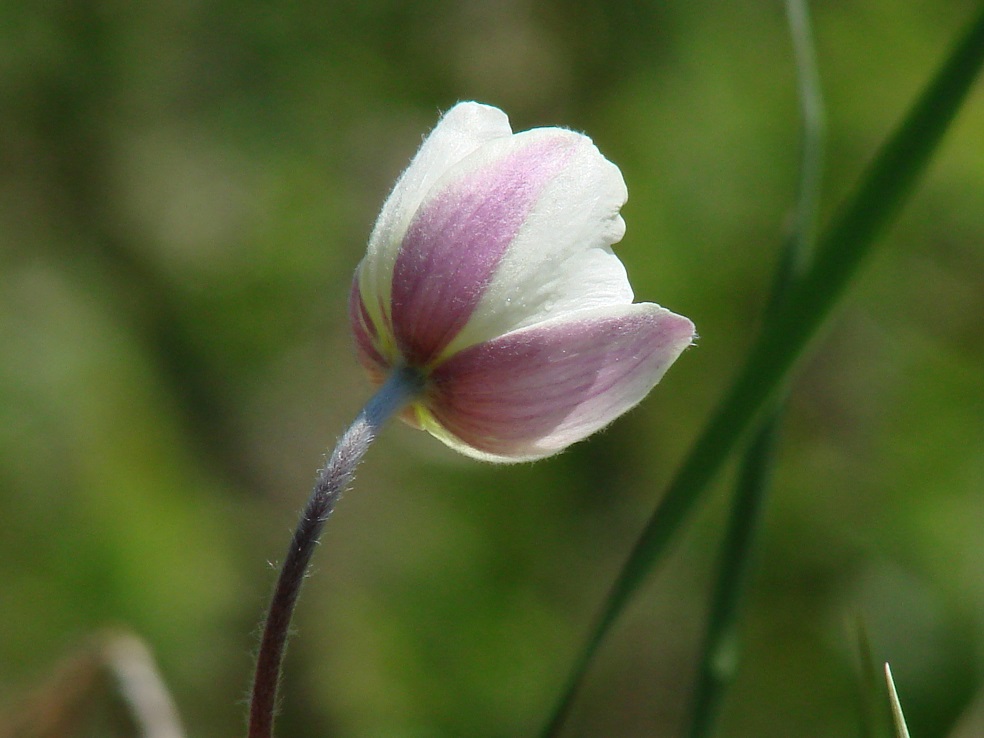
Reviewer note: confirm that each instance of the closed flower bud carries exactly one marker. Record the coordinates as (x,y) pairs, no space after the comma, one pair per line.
(490,272)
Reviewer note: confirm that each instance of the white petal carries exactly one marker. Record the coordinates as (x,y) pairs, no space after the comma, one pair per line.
(458,237)
(461,130)
(561,260)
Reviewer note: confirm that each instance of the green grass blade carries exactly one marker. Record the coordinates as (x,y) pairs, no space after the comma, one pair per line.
(720,652)
(840,253)
(809,93)
(901,730)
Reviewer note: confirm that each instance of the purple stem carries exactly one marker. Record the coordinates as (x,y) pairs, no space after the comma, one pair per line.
(333,478)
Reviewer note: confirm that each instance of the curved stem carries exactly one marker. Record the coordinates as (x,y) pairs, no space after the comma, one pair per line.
(333,478)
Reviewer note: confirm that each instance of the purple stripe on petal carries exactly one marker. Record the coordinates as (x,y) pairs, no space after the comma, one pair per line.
(533,392)
(365,334)
(456,240)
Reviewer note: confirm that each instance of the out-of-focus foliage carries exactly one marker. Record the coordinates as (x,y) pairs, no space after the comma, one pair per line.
(185,189)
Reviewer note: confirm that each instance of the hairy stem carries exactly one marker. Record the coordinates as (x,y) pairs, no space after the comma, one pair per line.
(333,478)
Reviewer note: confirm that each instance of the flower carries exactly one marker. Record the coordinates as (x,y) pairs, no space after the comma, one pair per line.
(490,272)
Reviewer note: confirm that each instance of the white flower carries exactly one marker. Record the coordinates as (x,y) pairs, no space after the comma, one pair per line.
(490,271)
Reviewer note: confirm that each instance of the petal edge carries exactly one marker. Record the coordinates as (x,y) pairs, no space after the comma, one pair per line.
(533,392)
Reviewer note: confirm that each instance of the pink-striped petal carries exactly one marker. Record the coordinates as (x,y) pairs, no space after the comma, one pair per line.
(533,392)
(460,131)
(561,259)
(455,242)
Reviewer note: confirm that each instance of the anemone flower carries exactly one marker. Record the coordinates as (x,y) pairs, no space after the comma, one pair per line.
(491,310)
(490,276)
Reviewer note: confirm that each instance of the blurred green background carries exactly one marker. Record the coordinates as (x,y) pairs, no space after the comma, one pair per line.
(185,190)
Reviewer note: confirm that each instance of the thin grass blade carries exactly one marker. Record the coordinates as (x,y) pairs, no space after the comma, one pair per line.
(720,652)
(840,254)
(901,730)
